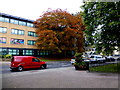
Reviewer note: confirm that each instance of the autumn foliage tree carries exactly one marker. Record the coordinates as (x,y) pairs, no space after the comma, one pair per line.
(59,31)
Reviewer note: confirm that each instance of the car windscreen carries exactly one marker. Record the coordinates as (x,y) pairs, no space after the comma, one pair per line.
(117,55)
(92,57)
(99,57)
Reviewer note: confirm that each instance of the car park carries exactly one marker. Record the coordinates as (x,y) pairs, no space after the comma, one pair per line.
(26,62)
(96,58)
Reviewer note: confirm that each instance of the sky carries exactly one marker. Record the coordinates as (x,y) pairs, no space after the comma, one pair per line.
(32,9)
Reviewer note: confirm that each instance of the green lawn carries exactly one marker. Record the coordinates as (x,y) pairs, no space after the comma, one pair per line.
(54,59)
(114,68)
(42,59)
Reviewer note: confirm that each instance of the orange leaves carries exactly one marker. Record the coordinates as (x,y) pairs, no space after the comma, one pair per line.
(58,30)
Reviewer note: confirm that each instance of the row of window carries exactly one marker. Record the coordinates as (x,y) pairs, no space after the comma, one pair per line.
(17,41)
(25,52)
(44,52)
(14,21)
(30,33)
(3,30)
(28,52)
(16,52)
(17,32)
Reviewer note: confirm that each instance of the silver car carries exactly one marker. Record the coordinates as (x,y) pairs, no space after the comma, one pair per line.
(116,57)
(96,58)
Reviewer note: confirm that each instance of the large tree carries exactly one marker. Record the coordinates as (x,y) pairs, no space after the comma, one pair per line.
(103,25)
(59,31)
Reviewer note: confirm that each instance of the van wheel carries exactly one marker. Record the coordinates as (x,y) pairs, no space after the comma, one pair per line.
(44,66)
(20,68)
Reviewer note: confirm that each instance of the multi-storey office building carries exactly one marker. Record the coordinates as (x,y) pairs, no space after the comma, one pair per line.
(17,36)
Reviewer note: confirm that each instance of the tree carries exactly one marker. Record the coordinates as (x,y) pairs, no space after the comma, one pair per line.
(102,20)
(59,31)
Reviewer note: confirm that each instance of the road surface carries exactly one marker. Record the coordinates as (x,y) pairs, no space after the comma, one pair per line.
(4,66)
(66,77)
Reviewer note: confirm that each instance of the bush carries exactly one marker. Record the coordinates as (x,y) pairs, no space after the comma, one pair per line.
(78,54)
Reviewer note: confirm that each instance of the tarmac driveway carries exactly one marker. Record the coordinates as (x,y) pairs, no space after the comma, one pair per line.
(66,77)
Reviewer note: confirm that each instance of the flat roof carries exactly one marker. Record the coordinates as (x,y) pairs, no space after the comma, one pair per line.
(16,17)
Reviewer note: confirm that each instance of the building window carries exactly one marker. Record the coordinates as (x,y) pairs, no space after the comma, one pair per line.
(28,52)
(31,42)
(13,51)
(30,25)
(17,32)
(14,21)
(2,40)
(4,19)
(22,23)
(44,52)
(17,22)
(30,33)
(17,41)
(3,29)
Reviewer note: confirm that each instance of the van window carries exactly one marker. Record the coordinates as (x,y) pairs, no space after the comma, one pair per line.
(12,60)
(35,60)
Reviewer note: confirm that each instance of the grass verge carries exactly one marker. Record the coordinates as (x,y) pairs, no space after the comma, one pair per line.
(113,68)
(42,59)
(54,59)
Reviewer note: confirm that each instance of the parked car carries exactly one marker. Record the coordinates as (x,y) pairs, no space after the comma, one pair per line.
(4,54)
(109,58)
(116,57)
(85,59)
(26,62)
(96,58)
(72,61)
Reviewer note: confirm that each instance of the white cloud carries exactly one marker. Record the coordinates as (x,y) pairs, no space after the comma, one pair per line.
(32,9)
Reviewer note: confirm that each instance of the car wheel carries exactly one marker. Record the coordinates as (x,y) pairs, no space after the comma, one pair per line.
(9,56)
(44,66)
(103,61)
(20,68)
(99,61)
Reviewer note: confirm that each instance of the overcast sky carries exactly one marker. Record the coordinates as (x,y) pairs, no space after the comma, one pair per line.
(32,9)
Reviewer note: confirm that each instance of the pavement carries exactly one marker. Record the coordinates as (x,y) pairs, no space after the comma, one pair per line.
(66,77)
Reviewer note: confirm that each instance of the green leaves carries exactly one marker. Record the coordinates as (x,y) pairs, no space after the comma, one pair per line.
(107,16)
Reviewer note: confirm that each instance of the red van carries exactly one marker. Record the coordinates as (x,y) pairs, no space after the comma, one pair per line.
(25,62)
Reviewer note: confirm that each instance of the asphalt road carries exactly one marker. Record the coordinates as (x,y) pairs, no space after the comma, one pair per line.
(4,66)
(58,75)
(66,77)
